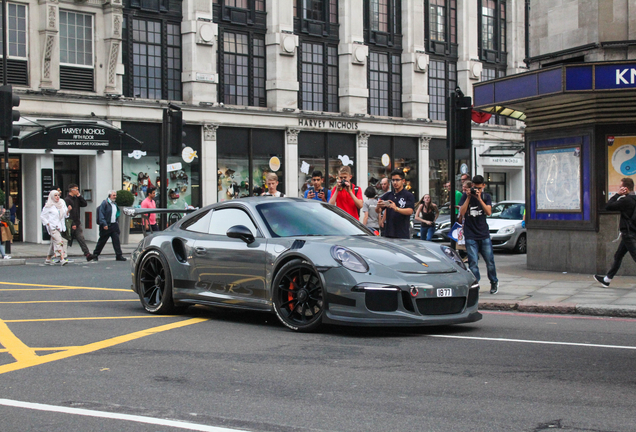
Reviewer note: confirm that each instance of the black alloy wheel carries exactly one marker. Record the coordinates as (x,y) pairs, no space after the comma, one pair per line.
(298,296)
(522,244)
(155,284)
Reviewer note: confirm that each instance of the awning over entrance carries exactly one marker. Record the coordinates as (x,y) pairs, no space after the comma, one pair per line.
(504,150)
(66,134)
(578,90)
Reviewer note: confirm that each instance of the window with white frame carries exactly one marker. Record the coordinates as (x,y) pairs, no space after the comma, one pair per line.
(76,51)
(17,43)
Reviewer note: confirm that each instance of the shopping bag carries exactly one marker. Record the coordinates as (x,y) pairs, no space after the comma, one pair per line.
(457,233)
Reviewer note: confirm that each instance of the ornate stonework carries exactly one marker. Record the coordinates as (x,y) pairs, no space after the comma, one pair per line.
(292,136)
(424,142)
(363,139)
(209,132)
(46,58)
(52,16)
(112,63)
(117,26)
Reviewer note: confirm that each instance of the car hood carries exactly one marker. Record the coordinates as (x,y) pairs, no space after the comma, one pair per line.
(404,256)
(494,223)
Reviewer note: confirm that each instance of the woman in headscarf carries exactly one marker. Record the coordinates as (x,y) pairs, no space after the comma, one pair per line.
(53,217)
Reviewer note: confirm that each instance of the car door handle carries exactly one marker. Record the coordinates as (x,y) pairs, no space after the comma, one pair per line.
(200,251)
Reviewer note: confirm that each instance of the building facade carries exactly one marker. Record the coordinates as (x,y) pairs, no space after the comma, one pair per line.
(288,86)
(578,102)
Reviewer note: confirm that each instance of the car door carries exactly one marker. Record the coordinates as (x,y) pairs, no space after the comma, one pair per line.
(229,270)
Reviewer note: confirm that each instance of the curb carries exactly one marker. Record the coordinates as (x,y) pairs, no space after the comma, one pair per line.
(560,308)
(12,262)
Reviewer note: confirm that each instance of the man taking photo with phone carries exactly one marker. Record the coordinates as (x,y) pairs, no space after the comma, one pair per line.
(475,205)
(399,205)
(316,191)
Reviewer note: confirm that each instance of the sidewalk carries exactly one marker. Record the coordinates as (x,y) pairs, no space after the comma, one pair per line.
(520,289)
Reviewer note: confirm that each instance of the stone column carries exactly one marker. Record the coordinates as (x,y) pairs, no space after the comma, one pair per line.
(362,161)
(468,65)
(423,168)
(414,61)
(209,168)
(49,38)
(199,36)
(291,162)
(353,91)
(113,22)
(282,62)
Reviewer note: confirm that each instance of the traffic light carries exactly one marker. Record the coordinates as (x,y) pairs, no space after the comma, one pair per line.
(463,116)
(177,134)
(7,114)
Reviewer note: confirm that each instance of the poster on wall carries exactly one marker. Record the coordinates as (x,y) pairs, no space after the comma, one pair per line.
(621,161)
(558,185)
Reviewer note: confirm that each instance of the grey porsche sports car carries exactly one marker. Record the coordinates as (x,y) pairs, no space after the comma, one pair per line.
(306,261)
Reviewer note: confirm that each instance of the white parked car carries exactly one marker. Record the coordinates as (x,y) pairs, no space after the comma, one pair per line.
(505,226)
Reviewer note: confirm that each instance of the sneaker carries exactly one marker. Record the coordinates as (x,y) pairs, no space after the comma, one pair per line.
(94,257)
(48,262)
(601,279)
(55,261)
(6,257)
(494,288)
(121,258)
(64,262)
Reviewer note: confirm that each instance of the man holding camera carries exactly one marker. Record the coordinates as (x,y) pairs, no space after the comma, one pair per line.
(399,205)
(474,207)
(316,191)
(346,195)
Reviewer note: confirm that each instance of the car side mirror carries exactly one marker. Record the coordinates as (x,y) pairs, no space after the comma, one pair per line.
(241,232)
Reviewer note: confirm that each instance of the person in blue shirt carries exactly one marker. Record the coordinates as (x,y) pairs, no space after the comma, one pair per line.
(316,191)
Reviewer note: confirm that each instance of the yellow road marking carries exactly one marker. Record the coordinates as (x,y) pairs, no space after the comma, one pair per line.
(88,318)
(15,346)
(61,286)
(69,301)
(74,351)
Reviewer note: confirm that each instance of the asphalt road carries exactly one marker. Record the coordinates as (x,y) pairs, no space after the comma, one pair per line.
(77,358)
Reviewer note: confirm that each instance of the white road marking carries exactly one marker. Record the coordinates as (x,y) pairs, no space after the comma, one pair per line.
(534,342)
(115,416)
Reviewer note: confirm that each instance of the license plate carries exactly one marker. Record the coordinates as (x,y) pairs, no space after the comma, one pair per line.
(444,292)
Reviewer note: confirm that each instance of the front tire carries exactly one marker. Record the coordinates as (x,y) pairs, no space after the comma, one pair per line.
(155,284)
(522,244)
(298,296)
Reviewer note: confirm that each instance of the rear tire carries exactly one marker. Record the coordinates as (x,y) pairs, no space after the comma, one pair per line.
(154,281)
(298,296)
(522,244)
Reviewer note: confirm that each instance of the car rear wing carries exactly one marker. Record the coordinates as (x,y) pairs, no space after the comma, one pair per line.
(173,215)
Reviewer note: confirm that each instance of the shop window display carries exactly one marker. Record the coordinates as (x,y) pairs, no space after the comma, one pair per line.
(388,153)
(241,150)
(317,150)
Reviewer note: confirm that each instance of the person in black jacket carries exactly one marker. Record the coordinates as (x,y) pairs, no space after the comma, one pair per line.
(107,214)
(625,202)
(75,200)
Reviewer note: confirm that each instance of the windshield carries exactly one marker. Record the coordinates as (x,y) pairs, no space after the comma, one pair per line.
(512,211)
(444,210)
(291,219)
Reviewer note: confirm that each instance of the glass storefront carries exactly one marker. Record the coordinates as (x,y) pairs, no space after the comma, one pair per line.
(317,150)
(438,170)
(387,153)
(245,157)
(14,212)
(140,168)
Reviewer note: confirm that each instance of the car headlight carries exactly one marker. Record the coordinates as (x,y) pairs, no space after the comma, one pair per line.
(452,254)
(444,225)
(349,259)
(507,230)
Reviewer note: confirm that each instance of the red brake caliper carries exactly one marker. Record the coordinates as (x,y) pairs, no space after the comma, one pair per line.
(290,297)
